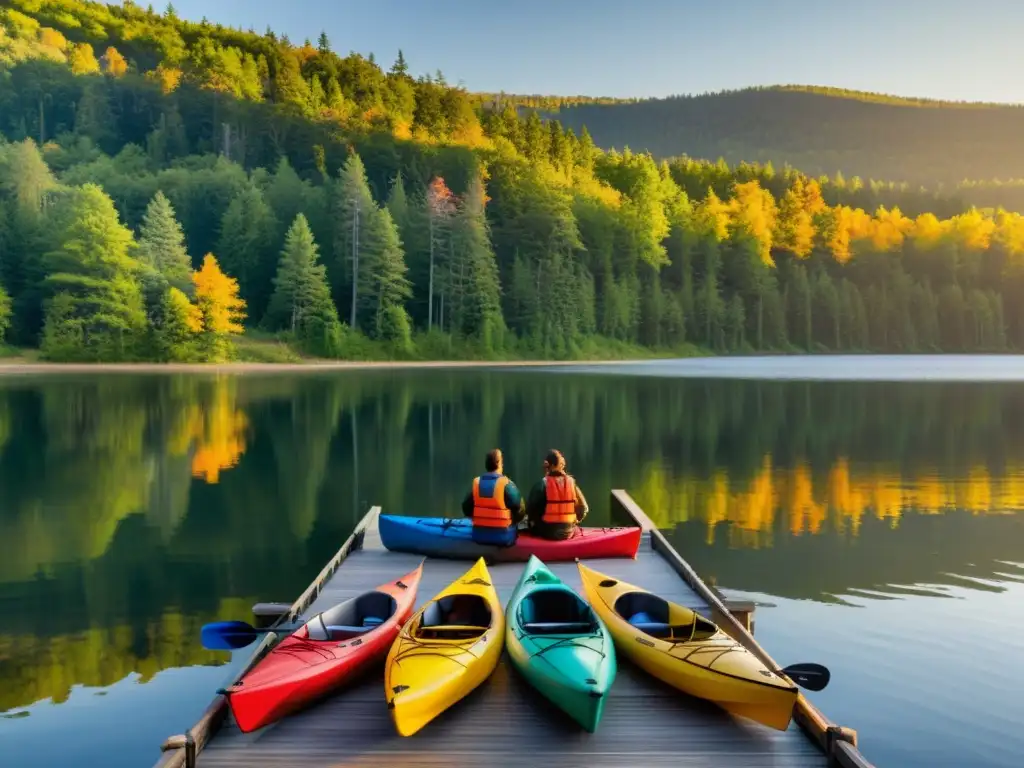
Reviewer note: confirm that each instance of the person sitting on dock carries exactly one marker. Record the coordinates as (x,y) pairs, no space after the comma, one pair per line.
(556,504)
(494,504)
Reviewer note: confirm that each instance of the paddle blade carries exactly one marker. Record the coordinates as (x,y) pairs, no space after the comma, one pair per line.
(813,677)
(227,635)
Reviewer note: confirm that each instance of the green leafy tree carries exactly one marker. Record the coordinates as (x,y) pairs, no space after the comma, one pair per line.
(96,310)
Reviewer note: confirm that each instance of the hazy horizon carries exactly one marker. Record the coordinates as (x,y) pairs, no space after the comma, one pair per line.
(661,48)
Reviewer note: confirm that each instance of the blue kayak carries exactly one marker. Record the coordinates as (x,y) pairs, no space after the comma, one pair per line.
(453,539)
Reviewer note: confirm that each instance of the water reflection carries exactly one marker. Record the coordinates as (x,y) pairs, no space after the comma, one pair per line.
(135,508)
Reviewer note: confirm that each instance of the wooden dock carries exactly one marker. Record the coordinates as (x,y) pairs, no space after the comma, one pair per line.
(505,722)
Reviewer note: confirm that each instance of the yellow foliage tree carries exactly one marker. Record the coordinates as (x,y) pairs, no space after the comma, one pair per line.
(973,230)
(82,60)
(890,228)
(795,229)
(712,216)
(220,307)
(1009,232)
(929,231)
(753,209)
(52,38)
(114,63)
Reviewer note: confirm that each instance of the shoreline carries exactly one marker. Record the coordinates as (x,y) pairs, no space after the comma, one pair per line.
(16,367)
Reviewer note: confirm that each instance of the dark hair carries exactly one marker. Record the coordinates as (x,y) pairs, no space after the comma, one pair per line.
(555,459)
(493,460)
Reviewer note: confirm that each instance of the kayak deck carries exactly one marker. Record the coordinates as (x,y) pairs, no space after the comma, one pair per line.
(645,722)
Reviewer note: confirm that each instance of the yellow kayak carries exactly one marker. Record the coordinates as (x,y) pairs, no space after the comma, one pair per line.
(689,652)
(448,647)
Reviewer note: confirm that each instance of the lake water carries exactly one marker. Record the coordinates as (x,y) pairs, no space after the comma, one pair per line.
(878,524)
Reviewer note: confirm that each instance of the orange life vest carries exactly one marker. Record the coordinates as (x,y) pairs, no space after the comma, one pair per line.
(560,494)
(490,511)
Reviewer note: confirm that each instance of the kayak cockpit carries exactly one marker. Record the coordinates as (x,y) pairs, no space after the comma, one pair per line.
(659,618)
(352,618)
(555,611)
(455,617)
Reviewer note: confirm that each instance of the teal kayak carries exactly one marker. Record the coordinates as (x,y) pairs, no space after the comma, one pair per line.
(560,644)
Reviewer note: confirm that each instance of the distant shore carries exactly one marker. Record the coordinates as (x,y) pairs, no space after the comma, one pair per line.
(14,366)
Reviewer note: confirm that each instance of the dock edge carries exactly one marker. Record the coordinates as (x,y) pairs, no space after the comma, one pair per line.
(181,751)
(837,742)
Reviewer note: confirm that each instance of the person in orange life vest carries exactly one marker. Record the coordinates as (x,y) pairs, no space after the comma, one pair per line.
(494,504)
(556,504)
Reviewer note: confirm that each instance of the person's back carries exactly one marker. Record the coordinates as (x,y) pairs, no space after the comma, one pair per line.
(494,504)
(556,504)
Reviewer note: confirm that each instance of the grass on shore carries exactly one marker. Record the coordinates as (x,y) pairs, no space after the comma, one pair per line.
(256,346)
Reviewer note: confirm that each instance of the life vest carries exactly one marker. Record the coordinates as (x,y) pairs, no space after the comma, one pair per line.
(560,494)
(490,511)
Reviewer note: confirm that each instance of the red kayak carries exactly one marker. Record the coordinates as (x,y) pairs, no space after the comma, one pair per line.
(323,654)
(453,539)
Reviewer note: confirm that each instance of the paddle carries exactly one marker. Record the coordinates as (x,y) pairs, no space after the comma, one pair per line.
(231,635)
(813,677)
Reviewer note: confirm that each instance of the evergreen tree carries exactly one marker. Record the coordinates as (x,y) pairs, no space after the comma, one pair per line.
(176,327)
(161,244)
(355,249)
(387,287)
(96,311)
(5,313)
(247,235)
(302,298)
(478,311)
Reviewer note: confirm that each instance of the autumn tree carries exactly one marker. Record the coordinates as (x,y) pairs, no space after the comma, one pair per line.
(221,310)
(114,64)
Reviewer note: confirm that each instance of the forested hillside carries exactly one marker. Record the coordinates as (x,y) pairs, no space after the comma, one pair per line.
(165,182)
(820,131)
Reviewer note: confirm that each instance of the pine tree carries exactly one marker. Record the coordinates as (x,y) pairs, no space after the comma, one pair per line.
(479,313)
(176,328)
(354,251)
(302,298)
(246,246)
(162,244)
(387,286)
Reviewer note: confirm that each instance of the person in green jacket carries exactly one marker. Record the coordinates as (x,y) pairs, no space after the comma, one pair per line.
(556,505)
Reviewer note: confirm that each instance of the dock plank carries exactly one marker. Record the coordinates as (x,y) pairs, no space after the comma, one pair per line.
(505,722)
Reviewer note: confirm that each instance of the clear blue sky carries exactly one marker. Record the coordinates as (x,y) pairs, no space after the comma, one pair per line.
(933,48)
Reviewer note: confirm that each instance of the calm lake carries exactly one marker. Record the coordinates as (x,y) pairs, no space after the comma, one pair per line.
(878,524)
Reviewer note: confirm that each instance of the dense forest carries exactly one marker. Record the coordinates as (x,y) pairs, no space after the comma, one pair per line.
(822,131)
(165,183)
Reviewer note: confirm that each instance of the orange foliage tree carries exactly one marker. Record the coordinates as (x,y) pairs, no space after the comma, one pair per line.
(221,308)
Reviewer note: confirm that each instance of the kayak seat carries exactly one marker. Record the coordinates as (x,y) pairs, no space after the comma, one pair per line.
(654,628)
(455,617)
(555,611)
(352,617)
(558,627)
(340,632)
